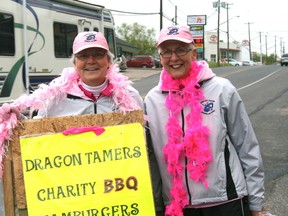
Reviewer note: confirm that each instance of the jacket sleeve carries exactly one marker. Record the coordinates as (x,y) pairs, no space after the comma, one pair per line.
(245,142)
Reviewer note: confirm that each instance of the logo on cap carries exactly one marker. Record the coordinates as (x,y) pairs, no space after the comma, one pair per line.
(90,38)
(173,31)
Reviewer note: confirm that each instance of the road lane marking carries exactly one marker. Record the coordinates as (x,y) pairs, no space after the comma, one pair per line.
(246,86)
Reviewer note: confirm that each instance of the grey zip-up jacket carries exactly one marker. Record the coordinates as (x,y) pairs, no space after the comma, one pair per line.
(236,170)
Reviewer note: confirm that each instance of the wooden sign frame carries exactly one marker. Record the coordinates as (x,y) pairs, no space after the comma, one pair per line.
(13,179)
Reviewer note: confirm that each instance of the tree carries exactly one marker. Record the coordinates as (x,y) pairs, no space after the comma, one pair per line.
(139,36)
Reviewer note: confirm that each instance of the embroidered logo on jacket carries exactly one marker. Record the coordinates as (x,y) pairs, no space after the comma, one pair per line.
(208,106)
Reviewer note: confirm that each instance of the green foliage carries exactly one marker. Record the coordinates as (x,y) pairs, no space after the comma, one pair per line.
(268,60)
(138,36)
(215,64)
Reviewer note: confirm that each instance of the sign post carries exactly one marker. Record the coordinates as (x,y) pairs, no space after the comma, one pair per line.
(196,24)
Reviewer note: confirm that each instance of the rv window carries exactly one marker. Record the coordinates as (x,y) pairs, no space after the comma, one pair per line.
(64,35)
(7,37)
(109,35)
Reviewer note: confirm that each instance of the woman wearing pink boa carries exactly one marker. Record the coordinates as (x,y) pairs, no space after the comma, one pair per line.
(93,86)
(208,155)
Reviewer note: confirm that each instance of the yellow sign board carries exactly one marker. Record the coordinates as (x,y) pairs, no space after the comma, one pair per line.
(87,174)
(199,45)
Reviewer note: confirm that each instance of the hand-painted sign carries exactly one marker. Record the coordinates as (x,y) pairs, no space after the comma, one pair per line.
(87,174)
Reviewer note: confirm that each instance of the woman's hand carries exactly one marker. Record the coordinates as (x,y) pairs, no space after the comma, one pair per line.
(263,212)
(7,110)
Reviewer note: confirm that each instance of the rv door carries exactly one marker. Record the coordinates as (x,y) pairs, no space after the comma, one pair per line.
(84,25)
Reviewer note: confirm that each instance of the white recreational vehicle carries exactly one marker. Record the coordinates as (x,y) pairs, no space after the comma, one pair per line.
(36,39)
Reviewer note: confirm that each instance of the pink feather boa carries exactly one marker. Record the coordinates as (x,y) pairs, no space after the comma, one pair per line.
(191,143)
(57,89)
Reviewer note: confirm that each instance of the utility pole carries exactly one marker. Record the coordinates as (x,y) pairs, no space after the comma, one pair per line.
(218,34)
(260,47)
(275,49)
(228,51)
(161,14)
(280,46)
(217,4)
(175,21)
(249,40)
(266,49)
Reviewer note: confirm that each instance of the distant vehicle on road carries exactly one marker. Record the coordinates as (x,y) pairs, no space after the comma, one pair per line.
(284,59)
(143,61)
(248,63)
(234,62)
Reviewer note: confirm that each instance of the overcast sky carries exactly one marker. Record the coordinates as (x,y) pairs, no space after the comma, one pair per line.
(270,18)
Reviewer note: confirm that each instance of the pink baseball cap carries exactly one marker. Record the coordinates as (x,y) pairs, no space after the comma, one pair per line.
(90,39)
(179,33)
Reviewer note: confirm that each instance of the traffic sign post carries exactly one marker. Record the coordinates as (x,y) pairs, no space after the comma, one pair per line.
(196,24)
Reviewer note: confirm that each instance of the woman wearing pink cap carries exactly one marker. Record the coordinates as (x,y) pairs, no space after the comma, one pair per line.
(93,86)
(208,155)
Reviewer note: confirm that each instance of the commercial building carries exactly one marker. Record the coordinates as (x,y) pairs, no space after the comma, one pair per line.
(237,50)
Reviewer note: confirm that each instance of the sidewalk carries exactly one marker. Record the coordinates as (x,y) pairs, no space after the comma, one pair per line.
(138,73)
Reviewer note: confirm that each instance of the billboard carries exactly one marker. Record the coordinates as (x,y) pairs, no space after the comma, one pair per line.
(196,20)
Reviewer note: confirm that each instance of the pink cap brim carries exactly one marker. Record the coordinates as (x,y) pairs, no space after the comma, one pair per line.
(89,46)
(174,38)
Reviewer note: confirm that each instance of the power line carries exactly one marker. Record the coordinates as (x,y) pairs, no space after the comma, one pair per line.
(171,2)
(135,13)
(168,18)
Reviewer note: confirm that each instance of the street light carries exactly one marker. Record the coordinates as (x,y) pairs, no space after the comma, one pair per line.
(229,20)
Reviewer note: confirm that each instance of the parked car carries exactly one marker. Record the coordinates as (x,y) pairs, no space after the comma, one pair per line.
(284,59)
(235,62)
(248,63)
(122,63)
(143,61)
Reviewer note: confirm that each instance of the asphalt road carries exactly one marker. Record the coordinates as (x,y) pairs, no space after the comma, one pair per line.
(264,90)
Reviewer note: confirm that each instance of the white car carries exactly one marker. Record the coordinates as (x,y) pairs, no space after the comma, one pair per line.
(235,62)
(248,63)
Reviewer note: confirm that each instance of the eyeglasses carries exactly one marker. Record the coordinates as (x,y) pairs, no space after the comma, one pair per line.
(86,56)
(180,51)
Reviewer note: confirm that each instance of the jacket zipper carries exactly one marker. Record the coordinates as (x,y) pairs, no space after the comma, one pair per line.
(186,160)
(95,107)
